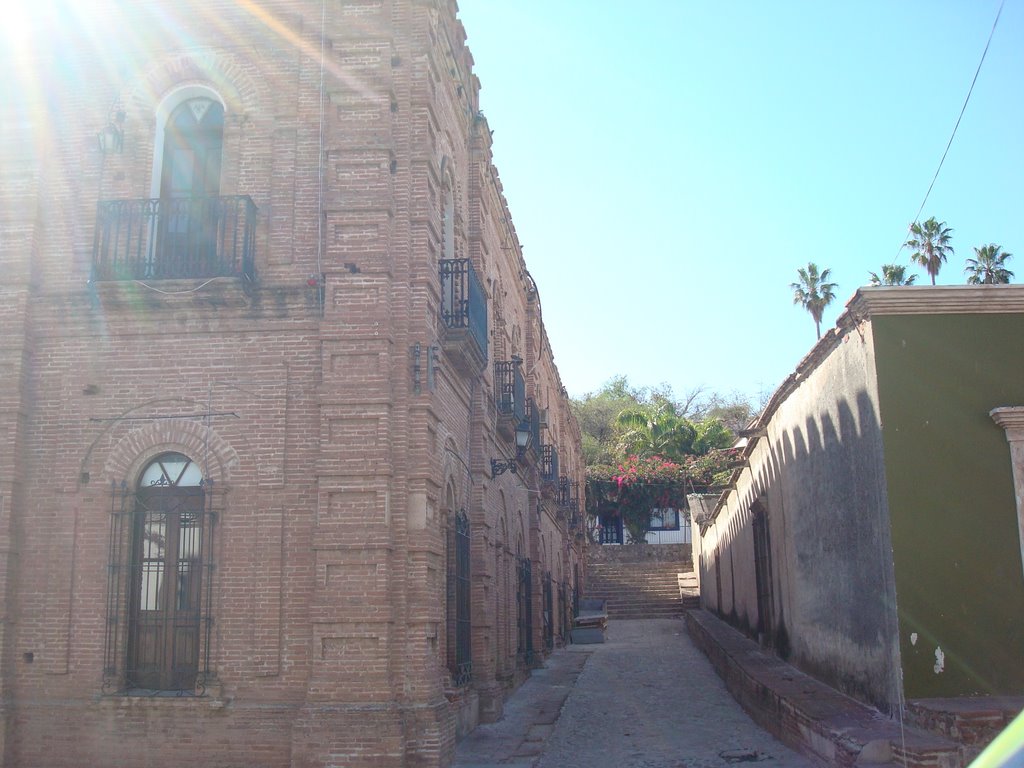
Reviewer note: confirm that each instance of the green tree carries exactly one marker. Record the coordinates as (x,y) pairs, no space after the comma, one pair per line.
(988,267)
(930,243)
(813,292)
(596,414)
(892,274)
(655,430)
(710,433)
(714,417)
(734,411)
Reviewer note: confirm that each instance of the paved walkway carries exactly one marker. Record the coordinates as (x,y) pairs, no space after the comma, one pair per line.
(645,699)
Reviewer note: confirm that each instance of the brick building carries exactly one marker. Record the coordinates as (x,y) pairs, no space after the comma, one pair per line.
(267,344)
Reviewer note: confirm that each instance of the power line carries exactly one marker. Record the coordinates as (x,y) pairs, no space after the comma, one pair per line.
(958,119)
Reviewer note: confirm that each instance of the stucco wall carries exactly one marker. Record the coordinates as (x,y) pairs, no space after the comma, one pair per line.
(954,525)
(816,470)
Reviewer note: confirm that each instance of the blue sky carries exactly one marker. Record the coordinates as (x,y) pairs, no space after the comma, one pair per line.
(669,165)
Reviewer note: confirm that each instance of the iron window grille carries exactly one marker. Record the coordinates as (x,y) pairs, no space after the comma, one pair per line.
(611,529)
(159,584)
(459,595)
(664,520)
(175,238)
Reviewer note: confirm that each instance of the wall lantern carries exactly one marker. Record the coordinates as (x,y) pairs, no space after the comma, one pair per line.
(111,138)
(523,437)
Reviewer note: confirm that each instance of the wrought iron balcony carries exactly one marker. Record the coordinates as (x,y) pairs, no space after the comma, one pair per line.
(568,492)
(175,238)
(549,464)
(510,391)
(464,315)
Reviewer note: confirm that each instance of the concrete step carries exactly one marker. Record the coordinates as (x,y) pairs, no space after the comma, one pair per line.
(645,590)
(650,585)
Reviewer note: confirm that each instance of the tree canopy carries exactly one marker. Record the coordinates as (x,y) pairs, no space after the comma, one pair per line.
(930,245)
(988,267)
(813,292)
(892,274)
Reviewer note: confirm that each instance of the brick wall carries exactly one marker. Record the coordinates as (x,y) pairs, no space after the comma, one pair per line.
(329,445)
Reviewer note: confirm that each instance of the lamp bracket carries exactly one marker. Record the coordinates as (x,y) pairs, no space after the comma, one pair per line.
(500,467)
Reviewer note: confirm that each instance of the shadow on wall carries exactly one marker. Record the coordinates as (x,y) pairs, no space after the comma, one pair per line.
(828,585)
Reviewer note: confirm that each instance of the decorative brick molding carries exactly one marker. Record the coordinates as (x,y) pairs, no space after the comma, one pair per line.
(199,442)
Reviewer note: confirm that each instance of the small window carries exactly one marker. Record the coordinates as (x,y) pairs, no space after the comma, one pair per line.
(664,520)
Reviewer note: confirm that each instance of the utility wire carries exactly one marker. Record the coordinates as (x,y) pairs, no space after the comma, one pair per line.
(959,118)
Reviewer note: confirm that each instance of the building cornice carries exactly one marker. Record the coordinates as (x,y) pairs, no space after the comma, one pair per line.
(1010,418)
(933,300)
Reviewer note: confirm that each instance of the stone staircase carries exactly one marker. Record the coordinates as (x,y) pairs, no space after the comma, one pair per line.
(642,585)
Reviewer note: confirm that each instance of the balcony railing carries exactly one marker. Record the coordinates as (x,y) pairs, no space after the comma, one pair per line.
(174,238)
(549,464)
(510,390)
(464,314)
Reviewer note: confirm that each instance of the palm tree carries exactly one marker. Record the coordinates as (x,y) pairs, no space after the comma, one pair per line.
(892,274)
(930,245)
(989,266)
(655,430)
(813,292)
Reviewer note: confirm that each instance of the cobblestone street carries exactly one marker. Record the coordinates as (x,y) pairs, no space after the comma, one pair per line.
(645,699)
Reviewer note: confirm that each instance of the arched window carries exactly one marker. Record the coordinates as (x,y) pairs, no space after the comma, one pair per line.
(167,575)
(193,140)
(190,206)
(161,544)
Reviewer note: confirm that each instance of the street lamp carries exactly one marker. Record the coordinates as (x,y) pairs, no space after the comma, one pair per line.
(523,437)
(111,138)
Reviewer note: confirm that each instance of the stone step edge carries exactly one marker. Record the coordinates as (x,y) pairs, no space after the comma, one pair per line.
(777,695)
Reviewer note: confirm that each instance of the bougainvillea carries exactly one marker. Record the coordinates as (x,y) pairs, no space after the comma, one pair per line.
(711,470)
(634,487)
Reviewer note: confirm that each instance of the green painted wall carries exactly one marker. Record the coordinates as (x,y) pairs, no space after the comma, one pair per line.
(956,547)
